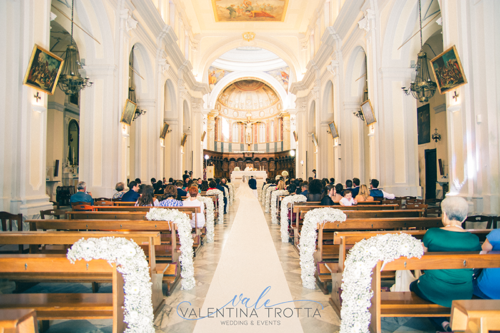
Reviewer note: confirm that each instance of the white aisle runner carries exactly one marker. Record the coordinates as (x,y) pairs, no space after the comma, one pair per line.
(249,264)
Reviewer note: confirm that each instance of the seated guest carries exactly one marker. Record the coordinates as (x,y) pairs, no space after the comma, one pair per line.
(153,182)
(171,181)
(212,185)
(355,189)
(204,186)
(164,181)
(364,194)
(332,181)
(159,187)
(180,192)
(486,286)
(330,193)
(347,200)
(291,189)
(147,198)
(281,186)
(220,187)
(200,181)
(132,195)
(138,181)
(304,187)
(315,189)
(442,286)
(169,199)
(192,201)
(339,189)
(120,191)
(379,194)
(82,195)
(348,186)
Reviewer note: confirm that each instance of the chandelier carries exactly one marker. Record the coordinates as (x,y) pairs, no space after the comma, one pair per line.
(422,88)
(71,80)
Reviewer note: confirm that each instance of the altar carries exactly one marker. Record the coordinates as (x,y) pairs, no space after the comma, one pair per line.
(237,176)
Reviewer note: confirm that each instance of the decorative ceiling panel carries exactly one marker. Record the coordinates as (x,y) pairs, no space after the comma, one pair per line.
(249,11)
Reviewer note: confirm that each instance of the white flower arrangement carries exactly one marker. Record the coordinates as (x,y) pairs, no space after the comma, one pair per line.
(268,197)
(356,286)
(277,177)
(231,191)
(236,169)
(284,173)
(263,193)
(274,198)
(284,214)
(132,264)
(209,208)
(308,237)
(184,230)
(221,203)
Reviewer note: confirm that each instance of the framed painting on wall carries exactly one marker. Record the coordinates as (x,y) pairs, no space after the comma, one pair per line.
(368,113)
(448,70)
(183,140)
(295,136)
(333,130)
(164,130)
(315,140)
(43,71)
(128,112)
(424,124)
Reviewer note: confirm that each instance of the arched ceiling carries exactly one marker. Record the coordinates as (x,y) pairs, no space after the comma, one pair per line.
(249,58)
(248,98)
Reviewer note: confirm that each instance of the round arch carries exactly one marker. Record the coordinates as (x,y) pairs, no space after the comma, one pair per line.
(142,64)
(219,49)
(222,84)
(169,103)
(328,100)
(356,66)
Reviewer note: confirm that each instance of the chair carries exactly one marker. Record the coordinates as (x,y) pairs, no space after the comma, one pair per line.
(478,222)
(57,213)
(8,221)
(81,206)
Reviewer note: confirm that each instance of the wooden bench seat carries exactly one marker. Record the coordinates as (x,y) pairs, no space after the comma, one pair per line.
(65,306)
(166,252)
(18,321)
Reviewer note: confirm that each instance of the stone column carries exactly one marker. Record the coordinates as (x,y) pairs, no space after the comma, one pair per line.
(211,129)
(286,131)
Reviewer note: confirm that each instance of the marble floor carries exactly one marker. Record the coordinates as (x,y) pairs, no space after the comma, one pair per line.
(205,265)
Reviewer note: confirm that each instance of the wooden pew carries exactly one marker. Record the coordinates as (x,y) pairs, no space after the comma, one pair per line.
(55,240)
(18,321)
(167,254)
(407,304)
(345,240)
(65,306)
(475,315)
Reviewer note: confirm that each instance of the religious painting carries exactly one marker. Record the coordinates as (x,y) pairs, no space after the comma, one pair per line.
(249,10)
(203,136)
(333,130)
(164,130)
(215,75)
(43,70)
(128,112)
(183,140)
(448,70)
(295,136)
(424,124)
(282,75)
(368,113)
(315,140)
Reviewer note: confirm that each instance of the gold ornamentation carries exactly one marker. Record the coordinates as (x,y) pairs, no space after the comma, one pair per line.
(248,36)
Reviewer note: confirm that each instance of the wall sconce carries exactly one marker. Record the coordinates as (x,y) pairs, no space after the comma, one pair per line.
(139,113)
(162,143)
(436,136)
(359,114)
(292,153)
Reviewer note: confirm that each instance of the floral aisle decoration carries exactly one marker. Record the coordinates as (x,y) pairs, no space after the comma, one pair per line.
(263,193)
(209,208)
(132,264)
(274,203)
(284,214)
(356,286)
(267,203)
(308,237)
(231,192)
(226,195)
(184,230)
(220,196)
(285,174)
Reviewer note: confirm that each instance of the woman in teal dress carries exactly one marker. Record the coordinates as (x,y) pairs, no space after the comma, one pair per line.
(442,286)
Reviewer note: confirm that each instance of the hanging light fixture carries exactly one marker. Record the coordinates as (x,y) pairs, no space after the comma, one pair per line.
(422,88)
(71,80)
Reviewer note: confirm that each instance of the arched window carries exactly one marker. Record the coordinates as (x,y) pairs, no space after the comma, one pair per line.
(225,130)
(236,133)
(271,137)
(262,134)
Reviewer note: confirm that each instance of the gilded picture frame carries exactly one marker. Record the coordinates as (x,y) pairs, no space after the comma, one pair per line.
(164,130)
(333,130)
(43,70)
(128,112)
(448,70)
(183,140)
(368,114)
(315,140)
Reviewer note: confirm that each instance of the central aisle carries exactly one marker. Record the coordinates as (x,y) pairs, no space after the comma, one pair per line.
(248,265)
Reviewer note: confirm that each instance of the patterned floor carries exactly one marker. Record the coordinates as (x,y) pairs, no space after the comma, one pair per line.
(205,265)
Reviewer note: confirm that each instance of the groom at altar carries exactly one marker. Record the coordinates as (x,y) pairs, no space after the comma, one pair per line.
(252,183)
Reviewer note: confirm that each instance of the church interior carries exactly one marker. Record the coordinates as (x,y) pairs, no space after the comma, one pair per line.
(264,108)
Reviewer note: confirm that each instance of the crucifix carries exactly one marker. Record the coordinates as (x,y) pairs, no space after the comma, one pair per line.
(248,129)
(37,96)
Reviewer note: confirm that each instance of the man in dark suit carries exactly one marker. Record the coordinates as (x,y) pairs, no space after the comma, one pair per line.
(355,189)
(180,192)
(132,195)
(252,183)
(221,188)
(348,186)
